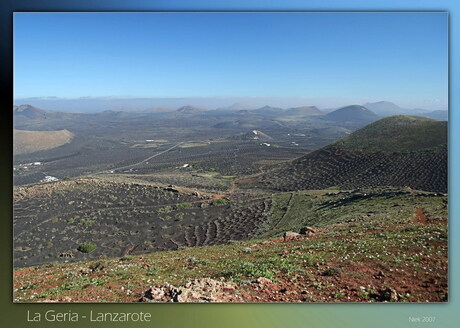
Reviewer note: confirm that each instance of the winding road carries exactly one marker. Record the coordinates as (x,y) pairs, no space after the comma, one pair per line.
(141,162)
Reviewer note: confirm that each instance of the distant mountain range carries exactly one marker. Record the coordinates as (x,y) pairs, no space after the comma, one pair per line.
(387,108)
(362,114)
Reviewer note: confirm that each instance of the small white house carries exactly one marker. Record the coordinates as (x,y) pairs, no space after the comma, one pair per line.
(49,178)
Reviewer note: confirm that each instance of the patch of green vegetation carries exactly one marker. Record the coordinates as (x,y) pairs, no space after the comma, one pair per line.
(86,222)
(288,212)
(267,268)
(183,205)
(49,293)
(197,262)
(294,210)
(221,201)
(179,216)
(152,271)
(165,209)
(82,283)
(87,247)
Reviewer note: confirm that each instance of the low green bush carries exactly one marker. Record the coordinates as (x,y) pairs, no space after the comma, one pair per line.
(87,247)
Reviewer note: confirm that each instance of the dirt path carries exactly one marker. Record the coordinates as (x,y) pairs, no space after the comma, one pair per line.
(234,184)
(288,207)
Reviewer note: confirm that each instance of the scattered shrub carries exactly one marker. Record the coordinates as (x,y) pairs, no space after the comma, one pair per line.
(220,201)
(87,247)
(164,210)
(332,271)
(183,205)
(195,262)
(86,222)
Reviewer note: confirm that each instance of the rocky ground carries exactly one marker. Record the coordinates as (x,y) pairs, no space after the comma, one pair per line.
(374,259)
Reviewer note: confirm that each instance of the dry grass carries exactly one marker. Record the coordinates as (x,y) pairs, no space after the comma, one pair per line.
(26,141)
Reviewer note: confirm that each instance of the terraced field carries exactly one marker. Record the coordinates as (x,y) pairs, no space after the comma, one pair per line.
(335,166)
(54,222)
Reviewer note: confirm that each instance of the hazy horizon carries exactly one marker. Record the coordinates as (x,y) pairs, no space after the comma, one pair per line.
(97,104)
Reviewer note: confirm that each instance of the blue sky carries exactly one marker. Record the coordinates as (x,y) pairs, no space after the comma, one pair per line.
(377,56)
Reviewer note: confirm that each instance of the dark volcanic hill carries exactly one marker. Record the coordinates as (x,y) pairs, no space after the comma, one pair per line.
(304,111)
(353,113)
(397,151)
(29,112)
(397,134)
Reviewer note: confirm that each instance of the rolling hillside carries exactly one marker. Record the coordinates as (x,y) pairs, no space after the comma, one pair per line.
(397,133)
(396,151)
(379,246)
